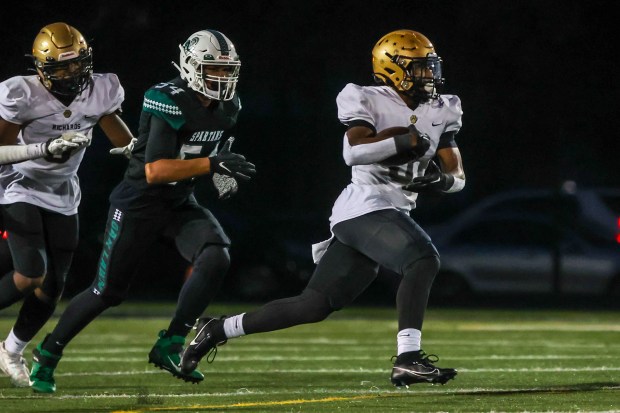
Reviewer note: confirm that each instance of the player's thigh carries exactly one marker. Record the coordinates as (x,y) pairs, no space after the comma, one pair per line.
(126,243)
(61,233)
(192,228)
(26,239)
(389,237)
(343,274)
(61,237)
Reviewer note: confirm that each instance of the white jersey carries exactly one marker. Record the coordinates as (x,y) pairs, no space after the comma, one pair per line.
(375,186)
(26,102)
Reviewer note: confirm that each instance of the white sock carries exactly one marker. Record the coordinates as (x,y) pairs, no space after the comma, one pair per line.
(233,326)
(15,345)
(408,340)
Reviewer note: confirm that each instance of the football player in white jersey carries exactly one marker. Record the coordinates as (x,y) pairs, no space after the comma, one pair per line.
(394,129)
(46,123)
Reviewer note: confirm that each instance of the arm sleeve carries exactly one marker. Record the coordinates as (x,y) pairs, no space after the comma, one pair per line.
(446,140)
(374,152)
(18,153)
(162,141)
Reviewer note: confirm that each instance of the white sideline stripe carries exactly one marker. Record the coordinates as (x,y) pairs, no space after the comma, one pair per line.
(70,359)
(540,327)
(252,344)
(358,370)
(246,392)
(123,339)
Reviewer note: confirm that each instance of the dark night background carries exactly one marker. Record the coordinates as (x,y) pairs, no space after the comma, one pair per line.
(538,82)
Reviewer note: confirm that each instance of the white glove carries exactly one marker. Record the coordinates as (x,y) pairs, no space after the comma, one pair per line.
(124,150)
(226,185)
(58,146)
(77,137)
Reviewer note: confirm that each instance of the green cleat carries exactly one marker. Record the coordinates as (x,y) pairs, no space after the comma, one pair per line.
(43,365)
(166,354)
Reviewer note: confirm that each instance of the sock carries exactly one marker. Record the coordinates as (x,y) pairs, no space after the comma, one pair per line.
(178,328)
(408,340)
(9,294)
(233,326)
(12,344)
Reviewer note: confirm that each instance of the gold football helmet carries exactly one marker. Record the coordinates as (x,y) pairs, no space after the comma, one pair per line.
(406,60)
(63,59)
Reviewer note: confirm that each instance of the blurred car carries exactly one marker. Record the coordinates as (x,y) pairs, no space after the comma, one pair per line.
(533,241)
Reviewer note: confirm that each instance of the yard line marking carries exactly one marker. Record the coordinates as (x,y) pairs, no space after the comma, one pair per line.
(143,392)
(260,404)
(355,370)
(84,359)
(538,326)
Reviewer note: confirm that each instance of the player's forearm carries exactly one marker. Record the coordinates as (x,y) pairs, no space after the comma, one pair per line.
(363,147)
(18,153)
(164,171)
(116,130)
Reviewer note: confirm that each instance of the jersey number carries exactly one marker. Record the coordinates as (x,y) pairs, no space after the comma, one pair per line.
(400,174)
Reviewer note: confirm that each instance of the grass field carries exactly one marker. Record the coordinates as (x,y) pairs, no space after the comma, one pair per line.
(508,360)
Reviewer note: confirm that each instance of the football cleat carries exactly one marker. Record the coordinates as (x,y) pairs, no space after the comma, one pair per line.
(166,354)
(203,344)
(14,366)
(417,367)
(43,365)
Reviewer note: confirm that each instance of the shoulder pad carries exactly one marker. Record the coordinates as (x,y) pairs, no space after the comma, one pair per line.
(158,101)
(111,92)
(352,105)
(17,95)
(452,105)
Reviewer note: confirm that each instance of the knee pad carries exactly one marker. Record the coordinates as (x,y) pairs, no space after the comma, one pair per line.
(215,257)
(426,267)
(53,287)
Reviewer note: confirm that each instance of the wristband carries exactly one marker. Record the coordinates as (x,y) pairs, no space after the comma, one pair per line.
(453,184)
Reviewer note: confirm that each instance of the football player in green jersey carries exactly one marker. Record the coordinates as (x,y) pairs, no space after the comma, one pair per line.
(184,134)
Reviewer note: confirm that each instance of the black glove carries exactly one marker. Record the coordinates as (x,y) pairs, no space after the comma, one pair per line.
(231,164)
(433,180)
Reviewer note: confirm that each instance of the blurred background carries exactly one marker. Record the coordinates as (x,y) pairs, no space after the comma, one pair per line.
(540,97)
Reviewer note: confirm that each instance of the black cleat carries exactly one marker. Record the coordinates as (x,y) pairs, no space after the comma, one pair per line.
(417,367)
(203,344)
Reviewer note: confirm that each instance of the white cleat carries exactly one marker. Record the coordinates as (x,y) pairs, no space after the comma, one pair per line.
(14,366)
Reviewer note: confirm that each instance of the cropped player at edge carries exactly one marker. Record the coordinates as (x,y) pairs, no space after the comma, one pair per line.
(46,123)
(185,135)
(394,130)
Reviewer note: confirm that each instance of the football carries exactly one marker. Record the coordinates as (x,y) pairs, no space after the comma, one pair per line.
(399,159)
